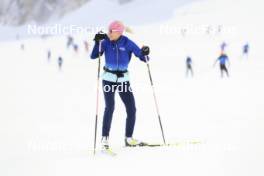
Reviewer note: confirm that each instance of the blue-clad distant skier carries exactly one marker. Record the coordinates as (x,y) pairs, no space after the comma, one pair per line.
(223,60)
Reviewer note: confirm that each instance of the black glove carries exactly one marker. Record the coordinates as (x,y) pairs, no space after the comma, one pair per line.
(100,36)
(145,50)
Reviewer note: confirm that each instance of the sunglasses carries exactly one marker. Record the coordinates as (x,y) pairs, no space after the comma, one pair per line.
(110,31)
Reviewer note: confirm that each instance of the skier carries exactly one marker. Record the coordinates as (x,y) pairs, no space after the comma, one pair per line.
(223,46)
(76,48)
(223,58)
(246,50)
(118,50)
(60,62)
(183,32)
(86,46)
(22,47)
(189,66)
(49,55)
(69,41)
(219,28)
(209,29)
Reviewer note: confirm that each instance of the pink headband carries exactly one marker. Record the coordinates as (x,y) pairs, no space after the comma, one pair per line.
(117,26)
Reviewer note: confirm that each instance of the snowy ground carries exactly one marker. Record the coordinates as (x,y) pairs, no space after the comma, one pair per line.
(47,116)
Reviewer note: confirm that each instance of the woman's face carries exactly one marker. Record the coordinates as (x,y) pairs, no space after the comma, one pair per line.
(113,35)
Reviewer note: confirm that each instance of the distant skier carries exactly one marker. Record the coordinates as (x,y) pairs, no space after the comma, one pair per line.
(245,50)
(183,32)
(60,62)
(76,48)
(69,41)
(209,30)
(86,46)
(118,50)
(223,47)
(219,28)
(49,55)
(22,47)
(189,69)
(223,59)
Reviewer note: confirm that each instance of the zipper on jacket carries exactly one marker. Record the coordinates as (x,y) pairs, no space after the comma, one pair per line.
(117,61)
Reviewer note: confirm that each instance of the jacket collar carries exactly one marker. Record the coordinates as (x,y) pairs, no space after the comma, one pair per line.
(120,39)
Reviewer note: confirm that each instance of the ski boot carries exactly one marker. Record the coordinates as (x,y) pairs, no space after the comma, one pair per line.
(130,142)
(105,146)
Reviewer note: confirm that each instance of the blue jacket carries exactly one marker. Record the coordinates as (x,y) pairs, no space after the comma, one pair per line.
(188,61)
(246,48)
(223,59)
(117,53)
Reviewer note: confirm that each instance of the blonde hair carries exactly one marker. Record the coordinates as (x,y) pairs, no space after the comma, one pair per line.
(128,30)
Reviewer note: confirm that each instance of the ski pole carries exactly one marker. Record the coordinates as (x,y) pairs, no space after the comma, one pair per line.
(97,96)
(155,98)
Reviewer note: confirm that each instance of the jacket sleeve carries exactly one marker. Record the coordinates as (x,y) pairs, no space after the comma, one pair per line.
(136,51)
(95,52)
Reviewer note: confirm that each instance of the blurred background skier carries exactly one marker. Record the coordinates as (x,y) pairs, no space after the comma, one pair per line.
(60,62)
(22,47)
(86,46)
(223,60)
(76,48)
(245,50)
(49,55)
(69,41)
(189,69)
(223,47)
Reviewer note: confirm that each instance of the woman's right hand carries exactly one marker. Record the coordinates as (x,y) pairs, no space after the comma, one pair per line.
(100,36)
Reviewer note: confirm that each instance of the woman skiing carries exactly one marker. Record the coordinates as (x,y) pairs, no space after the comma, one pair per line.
(118,50)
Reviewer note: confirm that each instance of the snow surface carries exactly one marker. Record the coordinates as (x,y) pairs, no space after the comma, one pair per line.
(47,116)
